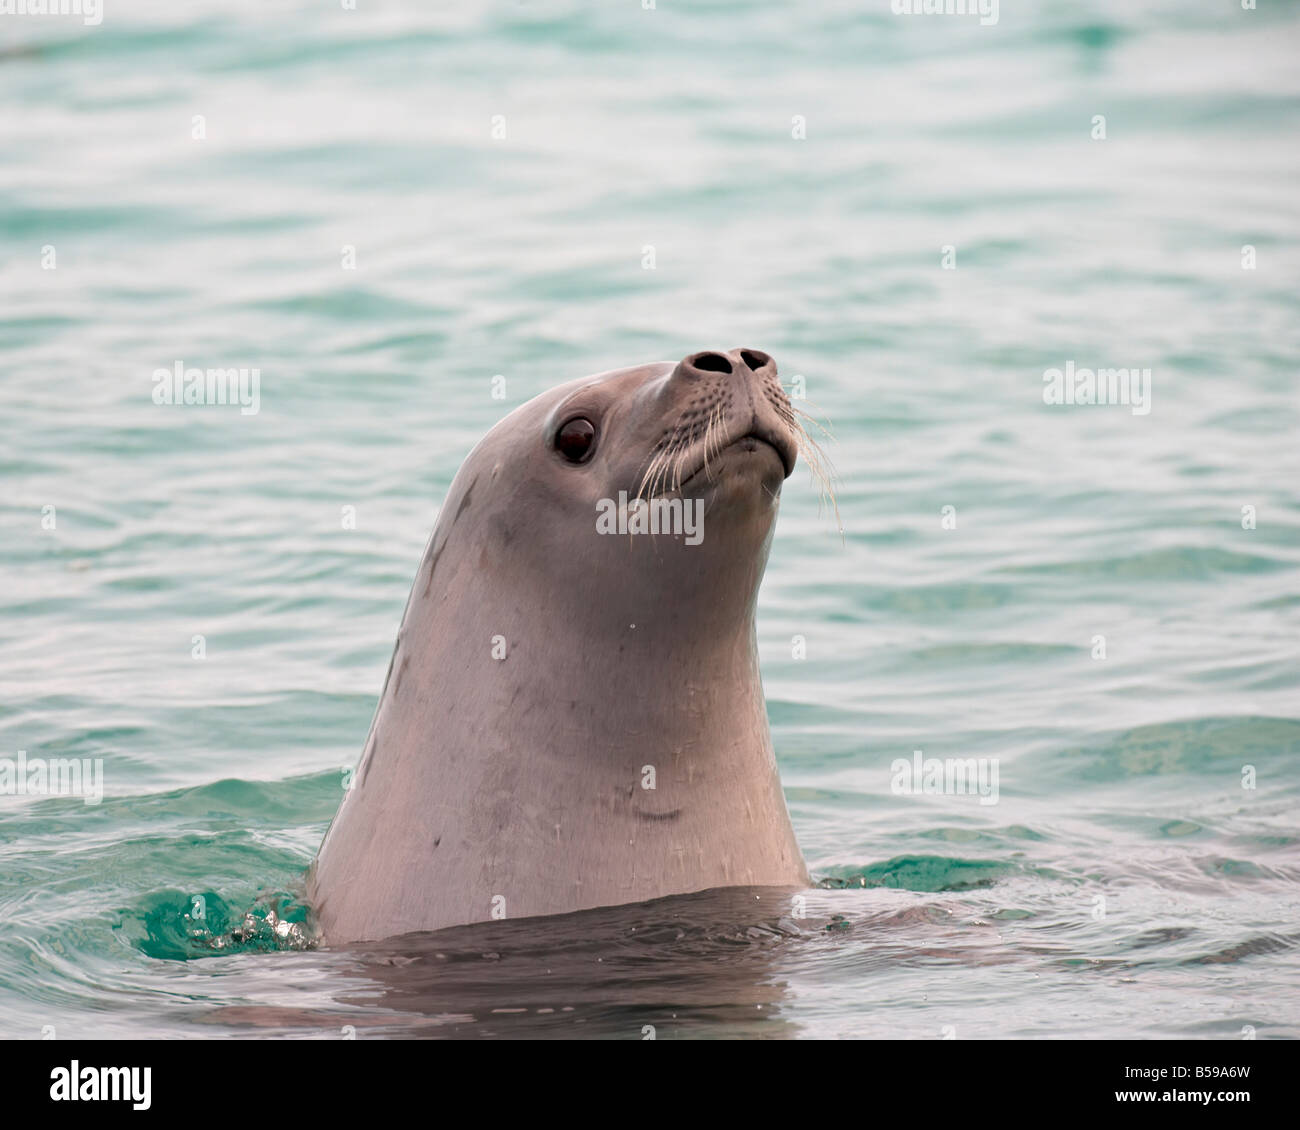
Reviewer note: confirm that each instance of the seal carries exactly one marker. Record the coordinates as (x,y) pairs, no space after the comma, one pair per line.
(573,716)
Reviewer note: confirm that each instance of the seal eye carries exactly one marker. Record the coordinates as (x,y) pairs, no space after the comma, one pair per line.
(576,439)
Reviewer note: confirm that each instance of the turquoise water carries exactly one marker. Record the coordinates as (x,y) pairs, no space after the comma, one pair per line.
(1125,884)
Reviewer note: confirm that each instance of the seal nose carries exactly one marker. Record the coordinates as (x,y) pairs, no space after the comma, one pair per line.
(706,362)
(713,399)
(736,361)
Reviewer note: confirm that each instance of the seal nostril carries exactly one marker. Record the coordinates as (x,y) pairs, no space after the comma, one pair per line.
(754,360)
(712,363)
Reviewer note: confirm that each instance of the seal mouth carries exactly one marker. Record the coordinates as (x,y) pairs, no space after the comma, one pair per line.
(755,439)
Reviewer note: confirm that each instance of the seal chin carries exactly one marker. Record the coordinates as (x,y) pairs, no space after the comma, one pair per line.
(760,438)
(758,453)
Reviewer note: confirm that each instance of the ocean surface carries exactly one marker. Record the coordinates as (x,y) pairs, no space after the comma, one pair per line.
(384,210)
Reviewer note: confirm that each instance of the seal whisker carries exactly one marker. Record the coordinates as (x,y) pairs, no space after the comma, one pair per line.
(825,429)
(660,459)
(665,463)
(682,450)
(662,462)
(814,455)
(712,431)
(823,473)
(649,471)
